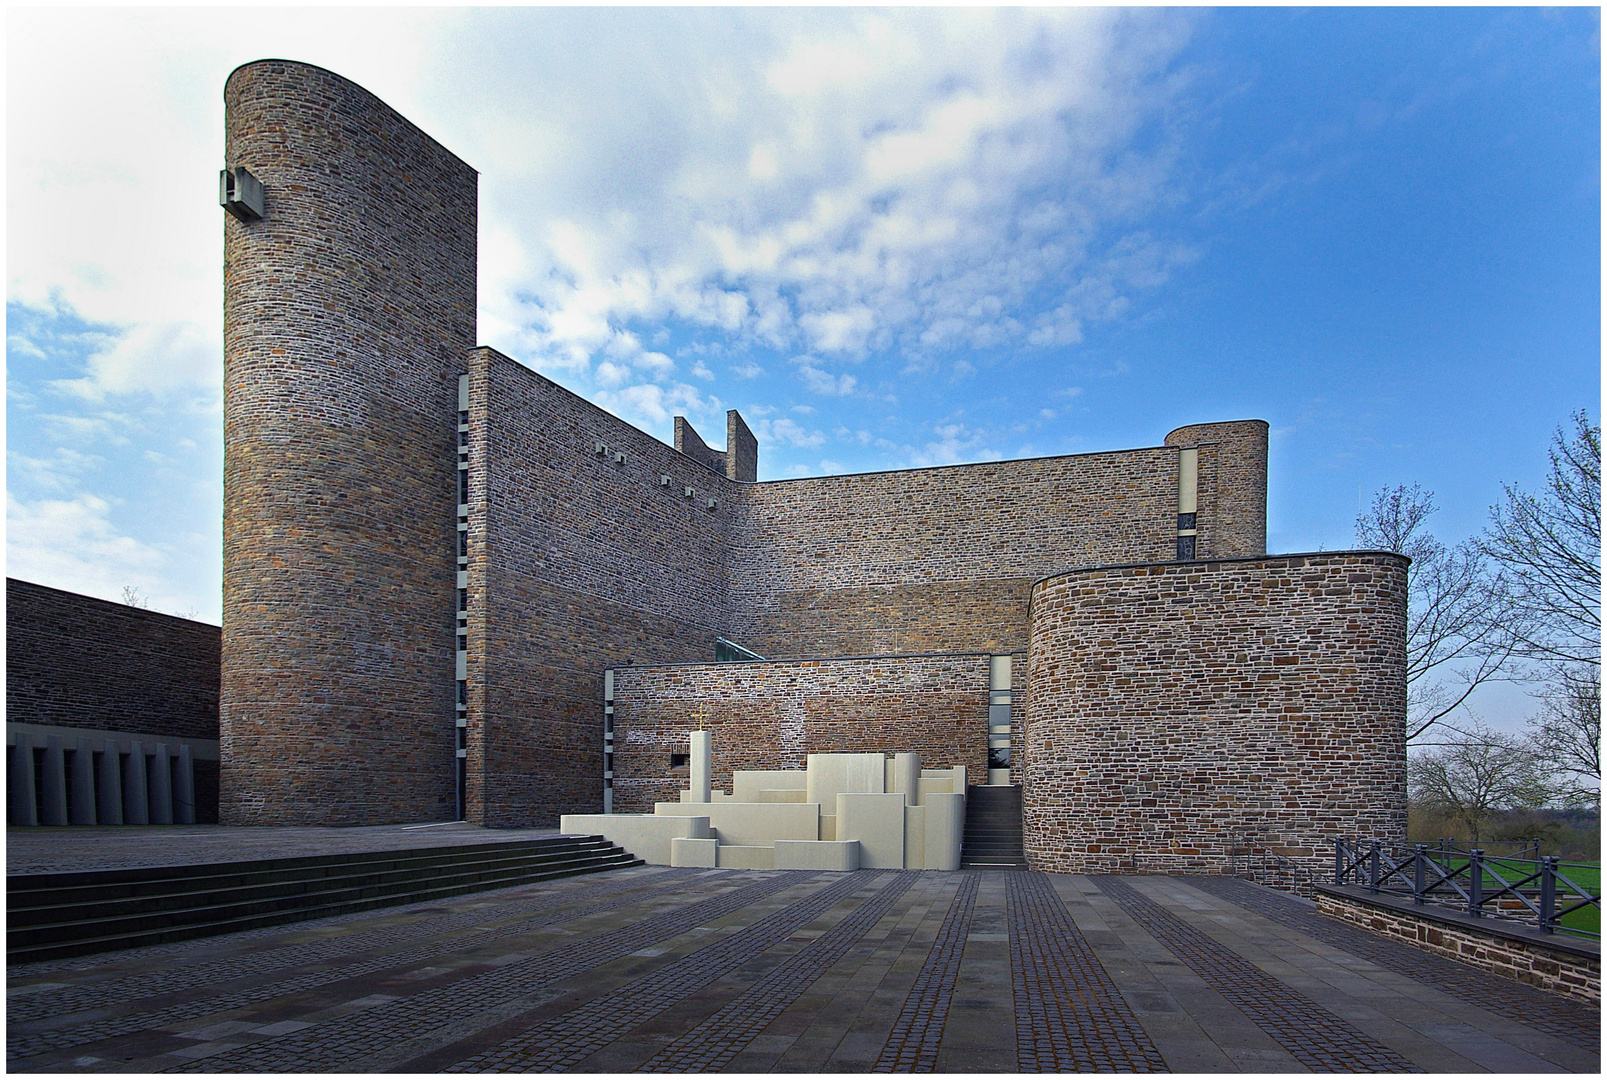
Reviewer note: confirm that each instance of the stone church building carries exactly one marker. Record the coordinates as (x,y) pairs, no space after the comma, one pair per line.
(454,588)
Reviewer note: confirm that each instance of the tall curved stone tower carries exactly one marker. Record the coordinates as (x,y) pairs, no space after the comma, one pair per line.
(349,310)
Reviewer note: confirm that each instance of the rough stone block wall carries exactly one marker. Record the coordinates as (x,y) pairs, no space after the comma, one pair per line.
(75,661)
(772,715)
(578,563)
(1175,705)
(1522,961)
(349,310)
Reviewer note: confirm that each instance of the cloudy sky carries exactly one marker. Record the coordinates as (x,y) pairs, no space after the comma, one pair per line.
(892,238)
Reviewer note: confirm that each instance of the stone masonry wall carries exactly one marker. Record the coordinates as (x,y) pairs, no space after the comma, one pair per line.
(75,661)
(1232,486)
(936,560)
(348,313)
(772,715)
(1175,705)
(1508,956)
(578,563)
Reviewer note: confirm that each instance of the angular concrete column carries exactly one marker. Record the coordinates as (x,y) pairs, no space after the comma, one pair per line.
(53,784)
(136,810)
(184,788)
(160,787)
(81,806)
(22,810)
(109,786)
(701,761)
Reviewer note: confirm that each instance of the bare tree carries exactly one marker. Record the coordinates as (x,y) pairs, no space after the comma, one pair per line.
(132,597)
(1549,548)
(1472,775)
(1455,639)
(1568,730)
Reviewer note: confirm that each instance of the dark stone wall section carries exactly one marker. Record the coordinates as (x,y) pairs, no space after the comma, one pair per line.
(74,661)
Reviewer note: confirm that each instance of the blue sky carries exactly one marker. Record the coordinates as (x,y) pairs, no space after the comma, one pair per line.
(891,238)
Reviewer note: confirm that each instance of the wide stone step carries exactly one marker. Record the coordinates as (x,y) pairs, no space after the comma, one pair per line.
(321,886)
(219,890)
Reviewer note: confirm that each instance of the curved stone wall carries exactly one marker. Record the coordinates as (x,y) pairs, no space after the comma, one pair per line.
(348,312)
(1178,707)
(1232,517)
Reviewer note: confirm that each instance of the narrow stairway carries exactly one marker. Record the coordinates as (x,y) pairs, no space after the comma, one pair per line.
(72,914)
(992,838)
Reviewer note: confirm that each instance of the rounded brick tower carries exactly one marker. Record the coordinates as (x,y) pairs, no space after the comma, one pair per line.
(349,308)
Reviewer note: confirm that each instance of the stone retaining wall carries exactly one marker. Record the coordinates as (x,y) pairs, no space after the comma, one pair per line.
(1508,951)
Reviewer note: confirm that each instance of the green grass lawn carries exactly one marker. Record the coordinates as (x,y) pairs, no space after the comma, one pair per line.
(1585,875)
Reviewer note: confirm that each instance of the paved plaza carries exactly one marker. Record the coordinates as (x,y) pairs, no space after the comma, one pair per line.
(673,970)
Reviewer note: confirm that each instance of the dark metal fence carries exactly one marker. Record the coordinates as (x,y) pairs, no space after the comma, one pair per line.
(1531,890)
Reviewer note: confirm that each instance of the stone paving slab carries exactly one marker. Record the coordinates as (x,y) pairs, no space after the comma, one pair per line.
(45,850)
(795,971)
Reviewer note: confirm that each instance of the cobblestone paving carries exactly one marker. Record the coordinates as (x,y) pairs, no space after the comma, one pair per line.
(1318,1039)
(21,1042)
(655,969)
(712,1045)
(1572,1023)
(1069,1015)
(567,1040)
(357,1035)
(917,1034)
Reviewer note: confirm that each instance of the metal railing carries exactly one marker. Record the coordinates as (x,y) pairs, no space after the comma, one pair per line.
(1471,880)
(1252,859)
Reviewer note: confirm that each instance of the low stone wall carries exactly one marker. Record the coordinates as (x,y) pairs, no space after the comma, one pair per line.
(1555,963)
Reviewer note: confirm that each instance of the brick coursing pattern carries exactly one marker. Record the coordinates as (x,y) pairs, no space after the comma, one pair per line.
(773,714)
(1176,705)
(348,312)
(75,661)
(1527,962)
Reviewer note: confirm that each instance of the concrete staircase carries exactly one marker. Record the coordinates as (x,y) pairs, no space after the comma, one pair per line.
(993,829)
(72,914)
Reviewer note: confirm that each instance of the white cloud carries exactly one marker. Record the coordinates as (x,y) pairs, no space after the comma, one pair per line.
(747,370)
(159,359)
(840,181)
(70,544)
(787,432)
(650,406)
(824,382)
(955,443)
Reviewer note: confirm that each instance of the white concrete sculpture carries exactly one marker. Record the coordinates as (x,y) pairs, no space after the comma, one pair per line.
(839,812)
